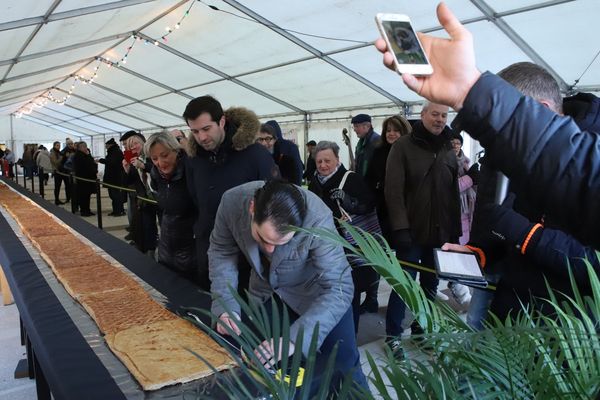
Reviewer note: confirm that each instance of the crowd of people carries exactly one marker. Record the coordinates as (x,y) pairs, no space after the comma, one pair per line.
(227,195)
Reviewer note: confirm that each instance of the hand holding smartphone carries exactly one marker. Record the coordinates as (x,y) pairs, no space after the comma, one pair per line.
(404,44)
(128,155)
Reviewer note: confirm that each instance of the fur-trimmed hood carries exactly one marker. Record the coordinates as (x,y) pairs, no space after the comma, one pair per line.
(241,128)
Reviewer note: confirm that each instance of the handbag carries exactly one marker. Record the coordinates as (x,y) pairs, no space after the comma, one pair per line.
(367,222)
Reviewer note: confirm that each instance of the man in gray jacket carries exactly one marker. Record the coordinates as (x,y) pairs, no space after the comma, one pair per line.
(308,274)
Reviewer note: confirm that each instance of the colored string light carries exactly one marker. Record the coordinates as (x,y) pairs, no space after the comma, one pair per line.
(177,25)
(45,98)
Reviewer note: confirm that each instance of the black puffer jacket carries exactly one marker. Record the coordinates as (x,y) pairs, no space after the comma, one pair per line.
(176,245)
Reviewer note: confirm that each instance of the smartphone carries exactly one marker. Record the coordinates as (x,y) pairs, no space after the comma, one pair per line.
(404,44)
(128,155)
(457,266)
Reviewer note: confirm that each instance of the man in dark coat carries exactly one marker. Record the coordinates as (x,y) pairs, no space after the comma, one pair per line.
(114,175)
(368,140)
(423,201)
(223,155)
(84,166)
(287,149)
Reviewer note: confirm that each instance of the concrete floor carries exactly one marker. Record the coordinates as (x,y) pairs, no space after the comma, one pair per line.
(370,336)
(11,352)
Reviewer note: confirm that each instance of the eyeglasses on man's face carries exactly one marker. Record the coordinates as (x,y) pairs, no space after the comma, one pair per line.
(265,139)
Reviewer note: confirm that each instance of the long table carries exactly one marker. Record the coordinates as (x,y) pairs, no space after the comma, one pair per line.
(65,358)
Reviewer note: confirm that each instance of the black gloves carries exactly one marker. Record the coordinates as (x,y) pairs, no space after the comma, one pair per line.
(473,172)
(351,204)
(337,194)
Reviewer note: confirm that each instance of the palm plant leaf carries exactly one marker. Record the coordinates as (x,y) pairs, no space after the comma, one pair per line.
(529,356)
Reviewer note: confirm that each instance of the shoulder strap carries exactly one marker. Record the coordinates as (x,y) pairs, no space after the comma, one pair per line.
(343,181)
(345,215)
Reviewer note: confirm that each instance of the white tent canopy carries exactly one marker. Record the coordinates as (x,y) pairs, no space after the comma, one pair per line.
(254,54)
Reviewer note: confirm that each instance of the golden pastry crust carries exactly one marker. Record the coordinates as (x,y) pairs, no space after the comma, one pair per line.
(124,308)
(150,340)
(160,354)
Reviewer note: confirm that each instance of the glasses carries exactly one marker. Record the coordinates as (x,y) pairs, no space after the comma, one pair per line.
(267,139)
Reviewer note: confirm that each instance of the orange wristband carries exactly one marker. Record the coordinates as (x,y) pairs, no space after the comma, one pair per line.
(529,236)
(480,253)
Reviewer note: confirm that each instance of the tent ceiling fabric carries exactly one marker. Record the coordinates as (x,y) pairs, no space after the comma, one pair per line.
(250,53)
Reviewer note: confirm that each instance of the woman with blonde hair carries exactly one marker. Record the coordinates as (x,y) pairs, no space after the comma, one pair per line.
(176,243)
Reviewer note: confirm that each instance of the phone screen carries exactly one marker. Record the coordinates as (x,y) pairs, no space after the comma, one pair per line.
(465,264)
(404,42)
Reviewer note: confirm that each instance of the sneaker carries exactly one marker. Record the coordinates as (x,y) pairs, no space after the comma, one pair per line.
(395,347)
(442,296)
(417,337)
(461,293)
(369,306)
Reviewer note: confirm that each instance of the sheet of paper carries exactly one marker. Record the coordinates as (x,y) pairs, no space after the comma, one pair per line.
(458,264)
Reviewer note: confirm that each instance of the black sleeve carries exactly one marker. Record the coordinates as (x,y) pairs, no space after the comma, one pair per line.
(546,156)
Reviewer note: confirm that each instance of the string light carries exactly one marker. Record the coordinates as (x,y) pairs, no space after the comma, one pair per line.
(45,98)
(178,24)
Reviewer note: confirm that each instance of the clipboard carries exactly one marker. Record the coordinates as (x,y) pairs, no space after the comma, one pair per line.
(459,267)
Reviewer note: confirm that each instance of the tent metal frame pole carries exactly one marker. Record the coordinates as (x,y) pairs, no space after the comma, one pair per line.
(43,71)
(152,81)
(24,101)
(489,12)
(304,156)
(63,49)
(312,50)
(30,86)
(97,116)
(32,35)
(69,121)
(69,14)
(588,88)
(109,109)
(89,114)
(49,119)
(136,101)
(12,133)
(223,75)
(37,121)
(153,20)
